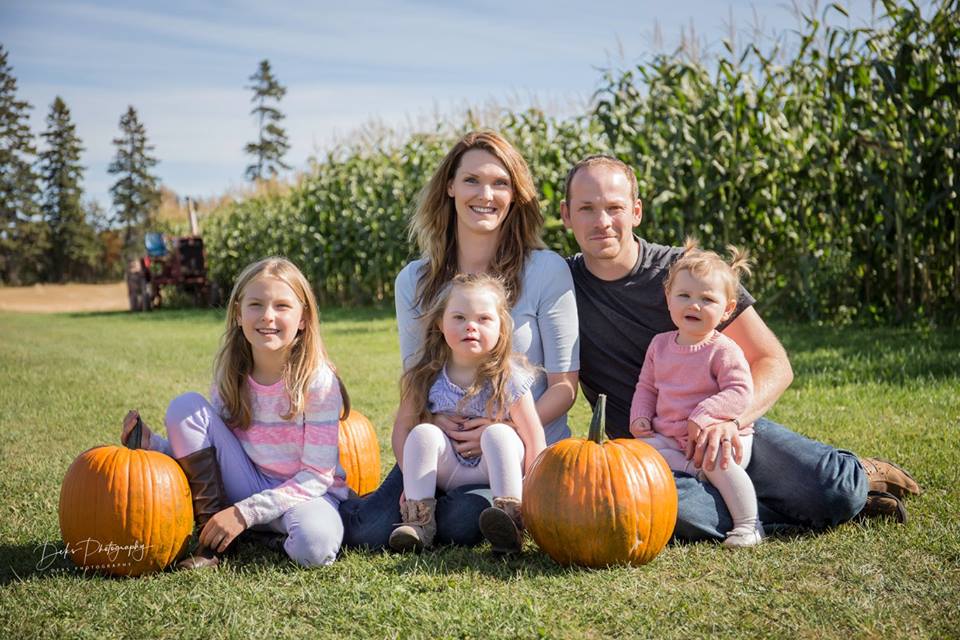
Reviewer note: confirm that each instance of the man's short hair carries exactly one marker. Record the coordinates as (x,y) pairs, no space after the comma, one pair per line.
(602,160)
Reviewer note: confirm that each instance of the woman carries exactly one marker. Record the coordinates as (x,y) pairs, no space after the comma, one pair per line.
(480,214)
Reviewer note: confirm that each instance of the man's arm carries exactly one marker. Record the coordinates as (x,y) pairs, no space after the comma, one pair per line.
(769,365)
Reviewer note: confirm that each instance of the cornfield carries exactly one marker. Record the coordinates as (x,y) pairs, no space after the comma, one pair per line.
(835,165)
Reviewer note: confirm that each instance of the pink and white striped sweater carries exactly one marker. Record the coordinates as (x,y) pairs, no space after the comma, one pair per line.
(303,452)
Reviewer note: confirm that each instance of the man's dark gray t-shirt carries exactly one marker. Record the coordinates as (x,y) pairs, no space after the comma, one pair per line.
(618,319)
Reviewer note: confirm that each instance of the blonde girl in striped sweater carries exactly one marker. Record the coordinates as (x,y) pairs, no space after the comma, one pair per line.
(263,452)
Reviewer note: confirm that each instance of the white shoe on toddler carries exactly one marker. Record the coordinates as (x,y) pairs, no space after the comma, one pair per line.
(737,538)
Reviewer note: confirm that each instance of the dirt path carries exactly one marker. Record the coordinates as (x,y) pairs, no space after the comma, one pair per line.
(61,298)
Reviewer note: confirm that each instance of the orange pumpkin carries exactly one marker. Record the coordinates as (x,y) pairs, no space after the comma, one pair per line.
(359,453)
(125,511)
(595,503)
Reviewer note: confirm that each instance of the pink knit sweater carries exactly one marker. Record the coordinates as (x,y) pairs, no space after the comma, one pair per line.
(707,383)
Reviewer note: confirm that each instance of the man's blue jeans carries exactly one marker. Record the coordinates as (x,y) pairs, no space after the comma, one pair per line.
(368,521)
(800,484)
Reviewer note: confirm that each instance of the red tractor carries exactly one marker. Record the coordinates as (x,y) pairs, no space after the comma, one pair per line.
(180,262)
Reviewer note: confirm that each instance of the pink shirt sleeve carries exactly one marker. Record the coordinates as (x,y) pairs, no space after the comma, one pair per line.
(644,404)
(732,372)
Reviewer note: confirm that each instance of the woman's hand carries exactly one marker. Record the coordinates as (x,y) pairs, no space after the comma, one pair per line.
(465,432)
(129,422)
(714,443)
(222,528)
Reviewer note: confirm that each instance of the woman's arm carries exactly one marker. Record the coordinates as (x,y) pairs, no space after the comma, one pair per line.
(555,401)
(523,413)
(559,396)
(407,418)
(559,330)
(409,330)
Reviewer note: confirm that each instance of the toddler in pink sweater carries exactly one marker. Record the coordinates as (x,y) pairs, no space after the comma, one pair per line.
(695,376)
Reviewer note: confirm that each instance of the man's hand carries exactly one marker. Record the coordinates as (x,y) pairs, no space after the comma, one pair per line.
(716,442)
(222,528)
(641,428)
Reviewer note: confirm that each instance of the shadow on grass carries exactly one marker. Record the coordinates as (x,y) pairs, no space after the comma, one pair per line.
(471,560)
(19,562)
(48,560)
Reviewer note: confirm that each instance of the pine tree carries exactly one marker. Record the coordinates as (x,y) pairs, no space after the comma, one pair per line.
(271,144)
(136,193)
(73,242)
(21,233)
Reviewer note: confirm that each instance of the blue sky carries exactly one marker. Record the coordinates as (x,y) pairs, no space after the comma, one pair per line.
(184,66)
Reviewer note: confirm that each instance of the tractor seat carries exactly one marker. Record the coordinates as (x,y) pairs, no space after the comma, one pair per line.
(155,245)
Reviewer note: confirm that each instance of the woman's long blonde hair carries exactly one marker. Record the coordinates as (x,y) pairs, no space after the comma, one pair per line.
(234,361)
(434,228)
(494,370)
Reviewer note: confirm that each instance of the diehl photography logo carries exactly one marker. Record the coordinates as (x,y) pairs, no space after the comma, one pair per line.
(115,555)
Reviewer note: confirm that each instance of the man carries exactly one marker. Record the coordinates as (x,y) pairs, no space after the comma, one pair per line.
(800,483)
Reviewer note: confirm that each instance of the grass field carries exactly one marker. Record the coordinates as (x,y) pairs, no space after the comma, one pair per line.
(66,380)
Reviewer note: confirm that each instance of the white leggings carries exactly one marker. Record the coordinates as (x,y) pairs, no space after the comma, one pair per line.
(733,483)
(429,462)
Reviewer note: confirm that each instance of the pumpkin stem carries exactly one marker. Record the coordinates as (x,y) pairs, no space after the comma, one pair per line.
(133,440)
(599,420)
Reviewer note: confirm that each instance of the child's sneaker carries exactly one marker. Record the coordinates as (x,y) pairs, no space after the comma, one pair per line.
(737,539)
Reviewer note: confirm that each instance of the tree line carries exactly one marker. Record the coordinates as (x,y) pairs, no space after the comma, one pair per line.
(48,232)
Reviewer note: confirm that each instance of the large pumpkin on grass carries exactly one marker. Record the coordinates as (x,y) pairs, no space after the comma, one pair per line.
(595,503)
(125,511)
(359,453)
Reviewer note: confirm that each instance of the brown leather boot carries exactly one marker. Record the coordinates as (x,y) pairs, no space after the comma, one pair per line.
(209,498)
(881,504)
(887,477)
(418,528)
(502,525)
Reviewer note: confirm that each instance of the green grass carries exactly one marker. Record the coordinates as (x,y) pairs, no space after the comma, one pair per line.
(67,381)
